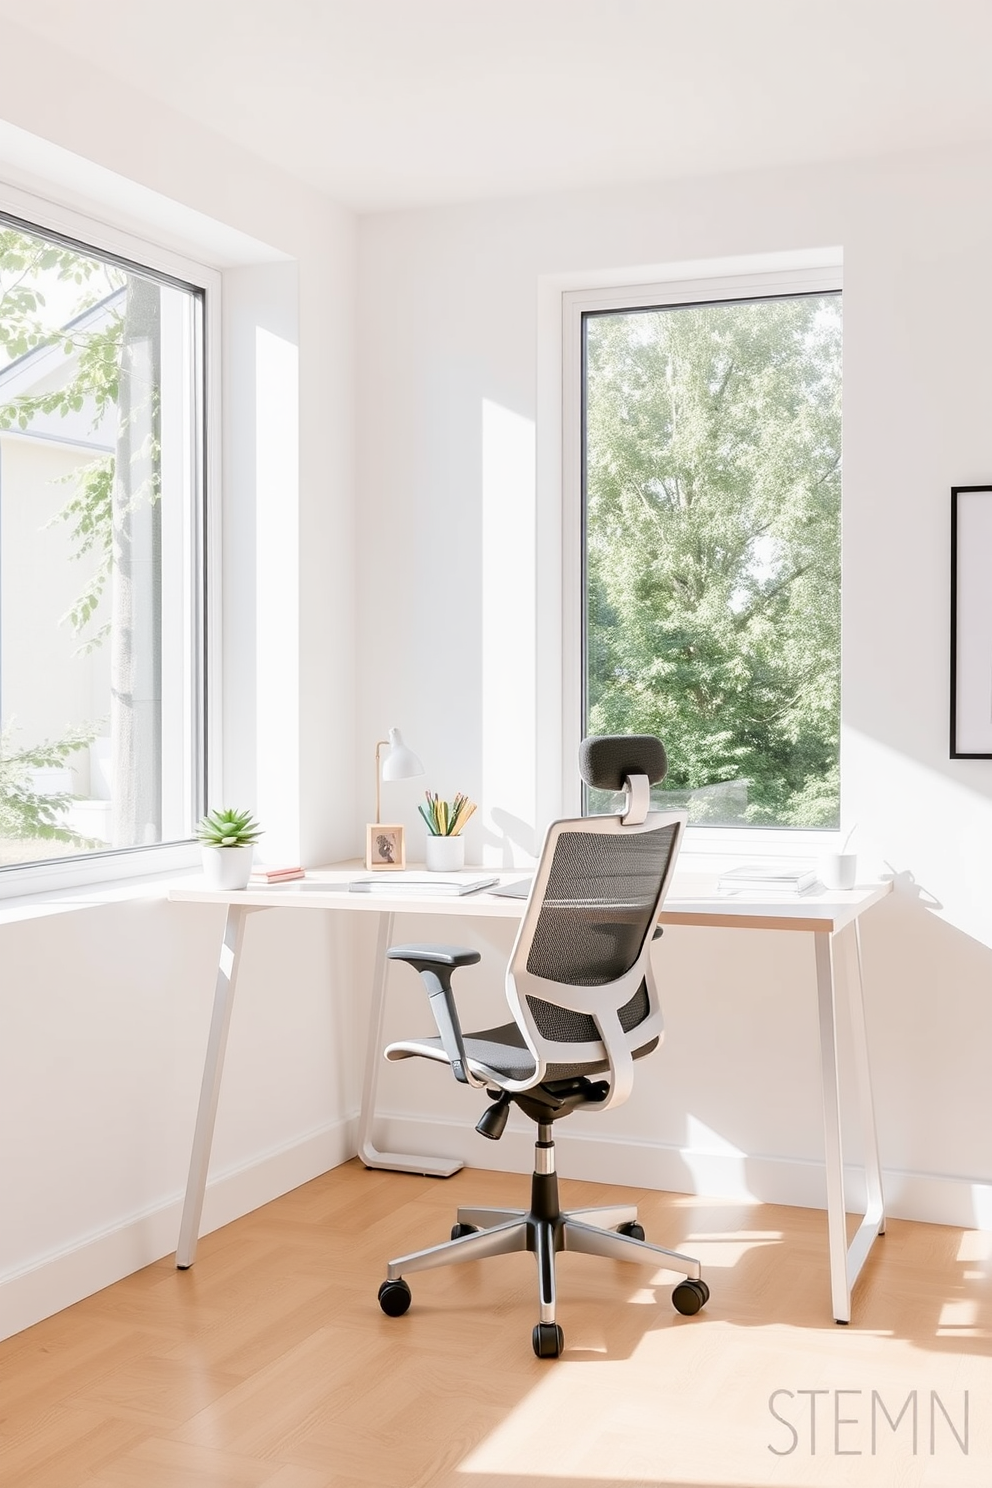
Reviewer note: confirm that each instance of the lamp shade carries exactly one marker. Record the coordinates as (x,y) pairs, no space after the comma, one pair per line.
(400,763)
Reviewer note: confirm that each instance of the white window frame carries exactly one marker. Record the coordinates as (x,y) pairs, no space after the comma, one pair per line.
(121,864)
(820,271)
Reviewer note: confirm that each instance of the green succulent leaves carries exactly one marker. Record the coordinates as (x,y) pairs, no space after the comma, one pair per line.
(228,828)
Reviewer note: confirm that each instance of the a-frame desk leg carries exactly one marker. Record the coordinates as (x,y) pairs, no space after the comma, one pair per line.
(846,1262)
(397,1162)
(206,1114)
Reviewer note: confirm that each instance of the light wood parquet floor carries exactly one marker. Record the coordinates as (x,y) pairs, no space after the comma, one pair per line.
(269,1364)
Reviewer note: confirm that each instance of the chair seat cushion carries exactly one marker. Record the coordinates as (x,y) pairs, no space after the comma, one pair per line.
(503,1051)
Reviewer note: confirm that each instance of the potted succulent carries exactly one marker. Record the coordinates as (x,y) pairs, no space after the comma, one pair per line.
(227,838)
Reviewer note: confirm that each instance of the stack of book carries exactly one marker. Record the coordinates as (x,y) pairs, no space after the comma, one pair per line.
(772,879)
(265,875)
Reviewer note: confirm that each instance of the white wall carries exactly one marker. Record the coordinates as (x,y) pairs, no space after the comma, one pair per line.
(450,326)
(103,1011)
(103,1023)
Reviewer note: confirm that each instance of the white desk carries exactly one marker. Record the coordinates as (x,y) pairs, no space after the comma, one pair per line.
(830,918)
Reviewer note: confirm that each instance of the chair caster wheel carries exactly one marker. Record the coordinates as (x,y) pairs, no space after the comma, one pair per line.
(690,1295)
(548,1340)
(394,1297)
(458,1230)
(631,1228)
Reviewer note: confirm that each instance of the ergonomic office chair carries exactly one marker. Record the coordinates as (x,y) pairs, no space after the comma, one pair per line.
(584,1003)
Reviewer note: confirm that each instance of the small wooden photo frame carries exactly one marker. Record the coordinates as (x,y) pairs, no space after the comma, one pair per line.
(385,846)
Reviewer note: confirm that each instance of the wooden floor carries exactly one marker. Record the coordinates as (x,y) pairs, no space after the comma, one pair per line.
(269,1364)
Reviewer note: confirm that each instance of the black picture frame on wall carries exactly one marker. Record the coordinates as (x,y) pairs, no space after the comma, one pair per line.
(971,622)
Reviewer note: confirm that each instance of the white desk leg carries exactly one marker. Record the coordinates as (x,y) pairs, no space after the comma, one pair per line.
(826,1001)
(397,1162)
(874,1221)
(845,1263)
(213,1065)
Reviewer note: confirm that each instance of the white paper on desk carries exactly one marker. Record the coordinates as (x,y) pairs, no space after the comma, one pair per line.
(765,893)
(421,883)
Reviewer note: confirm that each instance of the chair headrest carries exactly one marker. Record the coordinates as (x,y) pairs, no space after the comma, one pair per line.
(607,761)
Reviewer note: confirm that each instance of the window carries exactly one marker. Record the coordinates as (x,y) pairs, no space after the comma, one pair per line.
(101,551)
(710,587)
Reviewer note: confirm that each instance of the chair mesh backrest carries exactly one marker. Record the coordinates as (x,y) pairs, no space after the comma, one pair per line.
(599,904)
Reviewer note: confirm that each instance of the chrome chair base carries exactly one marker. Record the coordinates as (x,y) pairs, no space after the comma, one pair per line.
(610,1231)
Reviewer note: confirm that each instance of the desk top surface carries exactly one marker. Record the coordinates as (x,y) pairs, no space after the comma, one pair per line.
(692,900)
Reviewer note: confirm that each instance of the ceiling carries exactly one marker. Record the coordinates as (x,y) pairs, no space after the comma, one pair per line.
(397,103)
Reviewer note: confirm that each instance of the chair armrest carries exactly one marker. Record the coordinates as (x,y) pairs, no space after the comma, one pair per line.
(435,964)
(420,956)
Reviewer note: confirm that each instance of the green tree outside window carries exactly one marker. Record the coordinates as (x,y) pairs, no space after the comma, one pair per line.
(712,507)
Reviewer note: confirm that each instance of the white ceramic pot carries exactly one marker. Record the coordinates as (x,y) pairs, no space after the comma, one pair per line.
(445,854)
(227,867)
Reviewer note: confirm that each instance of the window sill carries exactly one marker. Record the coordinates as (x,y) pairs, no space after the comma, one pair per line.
(66,901)
(89,876)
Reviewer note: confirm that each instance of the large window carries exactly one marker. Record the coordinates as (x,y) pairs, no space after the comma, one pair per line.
(711,467)
(101,562)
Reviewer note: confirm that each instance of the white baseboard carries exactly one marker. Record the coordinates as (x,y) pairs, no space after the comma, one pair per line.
(931,1198)
(95,1261)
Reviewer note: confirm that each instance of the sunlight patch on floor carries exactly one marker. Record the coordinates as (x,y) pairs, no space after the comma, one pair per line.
(650,1416)
(976,1245)
(716,1252)
(960,1314)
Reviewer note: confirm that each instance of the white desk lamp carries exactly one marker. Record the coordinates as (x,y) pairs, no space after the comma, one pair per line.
(385,845)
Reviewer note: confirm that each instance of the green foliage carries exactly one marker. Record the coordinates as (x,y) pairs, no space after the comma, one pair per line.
(713,546)
(30,267)
(25,263)
(90,510)
(227,827)
(26,322)
(26,814)
(96,380)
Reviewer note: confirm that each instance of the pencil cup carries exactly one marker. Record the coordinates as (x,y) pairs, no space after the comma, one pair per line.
(445,854)
(838,870)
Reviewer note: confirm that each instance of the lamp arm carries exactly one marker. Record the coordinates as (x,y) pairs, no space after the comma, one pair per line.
(378,775)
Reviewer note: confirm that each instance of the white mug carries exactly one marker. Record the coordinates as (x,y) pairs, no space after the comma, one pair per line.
(838,870)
